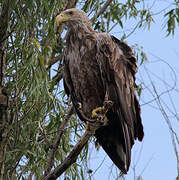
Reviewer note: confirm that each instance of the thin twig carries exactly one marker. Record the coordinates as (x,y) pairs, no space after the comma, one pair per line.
(158,101)
(15,101)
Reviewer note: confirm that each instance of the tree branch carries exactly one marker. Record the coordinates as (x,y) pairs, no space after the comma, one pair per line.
(4,19)
(92,126)
(4,130)
(108,2)
(59,76)
(71,4)
(54,60)
(71,158)
(57,142)
(4,124)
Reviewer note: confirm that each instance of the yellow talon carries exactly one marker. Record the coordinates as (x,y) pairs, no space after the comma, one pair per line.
(97,111)
(100,113)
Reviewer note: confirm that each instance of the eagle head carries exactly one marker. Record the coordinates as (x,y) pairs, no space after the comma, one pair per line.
(72,17)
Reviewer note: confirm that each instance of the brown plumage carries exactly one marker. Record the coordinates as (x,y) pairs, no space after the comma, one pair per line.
(98,67)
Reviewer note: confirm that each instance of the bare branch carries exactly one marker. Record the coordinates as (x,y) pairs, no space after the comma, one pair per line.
(159,103)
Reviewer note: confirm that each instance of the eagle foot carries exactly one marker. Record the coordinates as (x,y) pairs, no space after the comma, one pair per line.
(99,113)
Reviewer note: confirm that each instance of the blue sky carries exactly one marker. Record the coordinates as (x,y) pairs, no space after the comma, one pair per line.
(156,152)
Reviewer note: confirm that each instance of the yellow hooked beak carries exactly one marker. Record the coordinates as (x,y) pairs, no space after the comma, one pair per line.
(61,18)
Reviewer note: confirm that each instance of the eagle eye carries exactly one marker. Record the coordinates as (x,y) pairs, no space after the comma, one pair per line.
(70,12)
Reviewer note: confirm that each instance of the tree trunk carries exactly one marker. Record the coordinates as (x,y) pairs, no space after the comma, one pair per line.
(4,124)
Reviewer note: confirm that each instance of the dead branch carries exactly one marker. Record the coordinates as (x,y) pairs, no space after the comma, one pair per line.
(167,120)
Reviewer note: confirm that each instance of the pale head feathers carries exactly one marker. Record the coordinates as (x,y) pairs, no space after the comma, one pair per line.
(72,18)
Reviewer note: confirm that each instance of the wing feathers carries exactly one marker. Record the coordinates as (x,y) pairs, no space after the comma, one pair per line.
(124,118)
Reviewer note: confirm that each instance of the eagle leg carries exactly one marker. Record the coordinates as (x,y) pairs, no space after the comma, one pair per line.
(83,115)
(87,126)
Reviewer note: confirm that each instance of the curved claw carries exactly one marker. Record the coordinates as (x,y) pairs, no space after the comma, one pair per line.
(100,114)
(99,111)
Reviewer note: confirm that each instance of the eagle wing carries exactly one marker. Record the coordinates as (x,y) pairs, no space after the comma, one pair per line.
(118,68)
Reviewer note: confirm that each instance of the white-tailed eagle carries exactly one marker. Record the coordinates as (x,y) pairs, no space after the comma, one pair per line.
(97,68)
